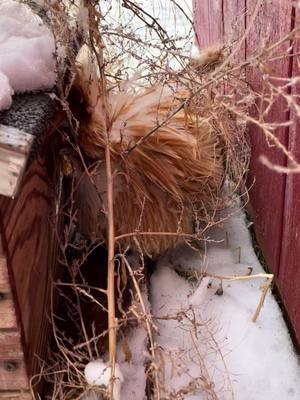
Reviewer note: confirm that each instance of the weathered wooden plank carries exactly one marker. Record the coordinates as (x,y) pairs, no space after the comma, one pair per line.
(12,395)
(208,22)
(220,21)
(14,149)
(289,271)
(4,281)
(10,346)
(7,313)
(12,367)
(234,24)
(267,194)
(20,395)
(13,375)
(31,253)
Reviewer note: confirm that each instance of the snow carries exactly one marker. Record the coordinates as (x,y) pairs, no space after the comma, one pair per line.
(27,49)
(132,354)
(211,339)
(207,345)
(98,373)
(134,369)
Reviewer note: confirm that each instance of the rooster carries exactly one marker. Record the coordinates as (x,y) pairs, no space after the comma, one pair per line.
(162,181)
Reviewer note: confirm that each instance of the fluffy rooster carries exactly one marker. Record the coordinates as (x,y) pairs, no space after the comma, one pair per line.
(165,182)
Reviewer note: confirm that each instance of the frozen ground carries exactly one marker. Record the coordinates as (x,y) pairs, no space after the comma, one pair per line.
(26,52)
(209,348)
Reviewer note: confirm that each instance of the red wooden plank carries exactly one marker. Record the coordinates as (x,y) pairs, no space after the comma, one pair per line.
(234,24)
(216,21)
(275,201)
(267,195)
(220,21)
(289,272)
(208,20)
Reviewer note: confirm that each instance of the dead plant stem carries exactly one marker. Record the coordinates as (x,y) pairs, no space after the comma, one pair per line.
(110,272)
(264,288)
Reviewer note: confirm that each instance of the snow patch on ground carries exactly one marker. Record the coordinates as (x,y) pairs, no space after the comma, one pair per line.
(134,385)
(134,369)
(26,52)
(209,344)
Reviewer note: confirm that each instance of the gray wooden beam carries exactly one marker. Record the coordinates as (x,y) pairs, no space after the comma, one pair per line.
(14,150)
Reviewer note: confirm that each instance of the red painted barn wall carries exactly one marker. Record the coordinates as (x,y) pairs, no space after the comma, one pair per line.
(274,198)
(289,272)
(268,193)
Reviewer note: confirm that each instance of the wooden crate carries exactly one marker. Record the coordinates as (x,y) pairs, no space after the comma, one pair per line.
(27,254)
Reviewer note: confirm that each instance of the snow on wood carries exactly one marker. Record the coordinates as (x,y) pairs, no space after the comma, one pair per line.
(14,149)
(26,52)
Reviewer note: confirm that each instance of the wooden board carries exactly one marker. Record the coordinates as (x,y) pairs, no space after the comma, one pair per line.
(30,247)
(14,149)
(10,346)
(234,24)
(12,366)
(275,201)
(7,313)
(4,281)
(208,22)
(289,271)
(217,21)
(12,395)
(13,375)
(268,193)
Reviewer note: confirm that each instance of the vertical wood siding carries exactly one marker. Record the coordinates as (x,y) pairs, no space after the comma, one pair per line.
(289,272)
(275,206)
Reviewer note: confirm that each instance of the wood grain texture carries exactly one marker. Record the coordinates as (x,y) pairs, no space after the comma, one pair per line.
(7,314)
(14,149)
(234,24)
(10,345)
(208,20)
(4,280)
(289,271)
(13,378)
(30,247)
(268,192)
(13,375)
(12,395)
(12,367)
(275,202)
(220,21)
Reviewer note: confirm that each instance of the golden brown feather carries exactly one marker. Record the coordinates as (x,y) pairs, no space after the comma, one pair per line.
(166,180)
